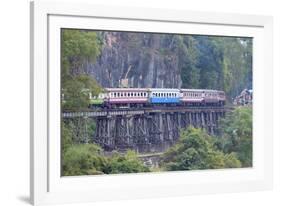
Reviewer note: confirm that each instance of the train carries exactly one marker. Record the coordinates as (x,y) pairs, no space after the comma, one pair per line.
(147,97)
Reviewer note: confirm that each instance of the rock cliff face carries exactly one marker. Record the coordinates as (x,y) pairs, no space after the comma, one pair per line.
(145,59)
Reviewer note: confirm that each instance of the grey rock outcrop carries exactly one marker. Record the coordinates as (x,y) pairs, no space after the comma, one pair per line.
(145,59)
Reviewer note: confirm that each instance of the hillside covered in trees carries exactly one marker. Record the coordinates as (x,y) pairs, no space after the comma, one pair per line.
(158,60)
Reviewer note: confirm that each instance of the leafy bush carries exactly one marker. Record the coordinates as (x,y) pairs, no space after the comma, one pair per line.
(128,163)
(88,159)
(196,150)
(83,159)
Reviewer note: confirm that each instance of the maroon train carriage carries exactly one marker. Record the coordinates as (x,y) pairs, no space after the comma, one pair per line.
(197,97)
(192,96)
(214,97)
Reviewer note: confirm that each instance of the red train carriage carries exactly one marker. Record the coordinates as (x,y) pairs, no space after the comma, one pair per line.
(197,97)
(192,96)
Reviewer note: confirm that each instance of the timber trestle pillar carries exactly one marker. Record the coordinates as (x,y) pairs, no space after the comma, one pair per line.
(148,130)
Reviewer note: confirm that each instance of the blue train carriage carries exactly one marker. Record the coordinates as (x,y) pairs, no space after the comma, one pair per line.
(164,96)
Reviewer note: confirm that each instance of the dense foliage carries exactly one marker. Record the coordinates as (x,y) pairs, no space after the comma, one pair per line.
(236,130)
(196,150)
(89,159)
(223,63)
(77,47)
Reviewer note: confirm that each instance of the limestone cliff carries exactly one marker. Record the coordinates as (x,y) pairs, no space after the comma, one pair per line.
(145,59)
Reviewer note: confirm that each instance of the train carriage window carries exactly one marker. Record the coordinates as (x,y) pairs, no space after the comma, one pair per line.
(129,94)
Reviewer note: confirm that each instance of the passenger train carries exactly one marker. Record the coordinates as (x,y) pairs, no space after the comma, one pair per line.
(145,97)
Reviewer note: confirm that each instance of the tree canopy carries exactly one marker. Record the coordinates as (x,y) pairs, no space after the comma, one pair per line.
(78,46)
(236,130)
(223,63)
(196,150)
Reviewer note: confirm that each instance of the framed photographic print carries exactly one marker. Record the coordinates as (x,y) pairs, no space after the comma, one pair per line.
(132,103)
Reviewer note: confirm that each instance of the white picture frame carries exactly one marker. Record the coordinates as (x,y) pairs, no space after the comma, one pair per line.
(47,186)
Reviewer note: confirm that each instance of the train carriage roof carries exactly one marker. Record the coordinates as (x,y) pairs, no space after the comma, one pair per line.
(158,90)
(163,90)
(200,90)
(126,89)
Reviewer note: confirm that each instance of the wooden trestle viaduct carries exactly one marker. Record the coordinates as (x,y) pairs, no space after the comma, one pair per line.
(146,129)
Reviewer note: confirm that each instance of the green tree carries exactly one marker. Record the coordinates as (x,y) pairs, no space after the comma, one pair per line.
(236,130)
(89,159)
(196,150)
(128,163)
(76,92)
(78,47)
(188,59)
(211,62)
(236,64)
(67,138)
(83,159)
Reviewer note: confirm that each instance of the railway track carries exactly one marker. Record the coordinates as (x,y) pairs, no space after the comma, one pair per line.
(141,111)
